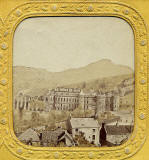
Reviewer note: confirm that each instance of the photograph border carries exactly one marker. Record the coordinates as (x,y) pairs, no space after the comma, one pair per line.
(69,8)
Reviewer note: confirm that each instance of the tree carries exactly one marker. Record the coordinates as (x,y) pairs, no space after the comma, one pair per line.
(78,112)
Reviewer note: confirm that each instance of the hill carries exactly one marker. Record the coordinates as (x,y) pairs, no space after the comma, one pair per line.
(27,78)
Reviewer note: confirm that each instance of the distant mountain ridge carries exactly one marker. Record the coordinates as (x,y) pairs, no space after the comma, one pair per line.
(28,78)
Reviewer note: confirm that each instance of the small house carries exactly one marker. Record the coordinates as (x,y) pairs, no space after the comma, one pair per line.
(88,126)
(117,134)
(30,137)
(55,137)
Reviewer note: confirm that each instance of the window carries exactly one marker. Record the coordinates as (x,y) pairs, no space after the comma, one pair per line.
(93,130)
(93,137)
(76,129)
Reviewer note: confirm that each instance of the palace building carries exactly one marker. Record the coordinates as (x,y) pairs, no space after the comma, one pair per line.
(69,99)
(62,99)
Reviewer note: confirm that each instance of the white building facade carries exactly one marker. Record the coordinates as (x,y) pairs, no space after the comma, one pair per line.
(88,126)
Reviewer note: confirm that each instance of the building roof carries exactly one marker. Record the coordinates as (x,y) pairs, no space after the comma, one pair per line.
(52,136)
(118,130)
(113,140)
(66,134)
(90,93)
(84,123)
(29,134)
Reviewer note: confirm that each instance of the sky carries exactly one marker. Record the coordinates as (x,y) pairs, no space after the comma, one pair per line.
(61,43)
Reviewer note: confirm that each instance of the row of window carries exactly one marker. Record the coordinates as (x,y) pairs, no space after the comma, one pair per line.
(69,99)
(66,106)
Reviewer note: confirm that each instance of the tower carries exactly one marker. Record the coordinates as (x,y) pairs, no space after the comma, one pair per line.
(101,100)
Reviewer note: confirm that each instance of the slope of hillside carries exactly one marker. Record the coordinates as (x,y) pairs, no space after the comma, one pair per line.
(34,78)
(107,83)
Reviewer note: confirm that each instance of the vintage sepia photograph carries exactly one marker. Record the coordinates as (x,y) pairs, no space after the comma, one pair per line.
(73,81)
